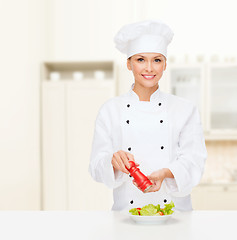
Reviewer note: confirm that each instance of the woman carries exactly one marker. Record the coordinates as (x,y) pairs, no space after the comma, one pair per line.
(160,132)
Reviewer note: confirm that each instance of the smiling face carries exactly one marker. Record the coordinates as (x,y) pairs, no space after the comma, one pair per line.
(147,68)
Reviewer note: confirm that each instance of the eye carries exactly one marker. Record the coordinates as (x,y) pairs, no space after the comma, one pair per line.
(140,59)
(157,60)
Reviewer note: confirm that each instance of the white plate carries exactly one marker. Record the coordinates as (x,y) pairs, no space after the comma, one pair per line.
(149,219)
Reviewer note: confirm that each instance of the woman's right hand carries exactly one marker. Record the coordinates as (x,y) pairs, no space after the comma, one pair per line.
(120,161)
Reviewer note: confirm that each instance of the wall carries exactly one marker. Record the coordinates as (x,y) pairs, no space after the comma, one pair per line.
(85,29)
(80,30)
(22,49)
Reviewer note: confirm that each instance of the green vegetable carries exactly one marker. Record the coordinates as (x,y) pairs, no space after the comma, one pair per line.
(167,210)
(151,210)
(159,209)
(148,210)
(134,211)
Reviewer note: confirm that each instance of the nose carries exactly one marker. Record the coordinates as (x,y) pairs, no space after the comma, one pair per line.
(149,66)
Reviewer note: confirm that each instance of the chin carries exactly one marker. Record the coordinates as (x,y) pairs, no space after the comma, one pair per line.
(148,84)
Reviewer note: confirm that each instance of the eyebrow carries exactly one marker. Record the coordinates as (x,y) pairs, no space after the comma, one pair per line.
(154,57)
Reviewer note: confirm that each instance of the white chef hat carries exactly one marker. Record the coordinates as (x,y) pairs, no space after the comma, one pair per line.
(144,36)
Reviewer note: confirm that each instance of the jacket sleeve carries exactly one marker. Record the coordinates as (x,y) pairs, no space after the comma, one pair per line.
(188,166)
(100,166)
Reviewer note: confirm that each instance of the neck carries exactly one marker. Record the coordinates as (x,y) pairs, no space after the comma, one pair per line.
(144,93)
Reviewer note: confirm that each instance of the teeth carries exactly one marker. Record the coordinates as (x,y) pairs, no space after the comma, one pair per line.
(148,77)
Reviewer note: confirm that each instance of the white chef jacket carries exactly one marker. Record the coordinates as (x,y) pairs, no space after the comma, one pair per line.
(164,132)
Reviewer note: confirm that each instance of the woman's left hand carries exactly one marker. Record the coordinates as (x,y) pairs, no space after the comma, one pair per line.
(157,178)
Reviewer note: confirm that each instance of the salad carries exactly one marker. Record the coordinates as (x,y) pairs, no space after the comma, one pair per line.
(152,210)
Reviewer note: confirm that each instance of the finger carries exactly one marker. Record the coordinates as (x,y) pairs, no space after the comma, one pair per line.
(136,185)
(131,158)
(158,185)
(154,188)
(153,182)
(125,159)
(115,161)
(119,164)
(116,165)
(122,166)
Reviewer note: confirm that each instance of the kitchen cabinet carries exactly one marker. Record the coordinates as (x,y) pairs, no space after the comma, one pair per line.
(222,92)
(188,81)
(83,103)
(85,29)
(212,88)
(69,109)
(215,196)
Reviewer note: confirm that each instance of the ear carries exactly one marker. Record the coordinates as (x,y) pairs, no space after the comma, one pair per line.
(165,65)
(129,64)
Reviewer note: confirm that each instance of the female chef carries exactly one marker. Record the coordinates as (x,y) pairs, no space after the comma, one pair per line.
(160,132)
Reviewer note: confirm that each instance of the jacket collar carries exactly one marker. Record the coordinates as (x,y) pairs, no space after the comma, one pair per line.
(154,96)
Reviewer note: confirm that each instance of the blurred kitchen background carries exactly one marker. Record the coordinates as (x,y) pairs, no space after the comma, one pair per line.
(59,65)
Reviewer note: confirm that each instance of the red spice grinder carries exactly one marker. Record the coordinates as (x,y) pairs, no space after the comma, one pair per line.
(141,180)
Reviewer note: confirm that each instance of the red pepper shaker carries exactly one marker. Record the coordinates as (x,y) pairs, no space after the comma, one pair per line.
(141,180)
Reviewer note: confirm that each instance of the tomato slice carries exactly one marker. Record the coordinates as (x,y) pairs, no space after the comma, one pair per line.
(139,209)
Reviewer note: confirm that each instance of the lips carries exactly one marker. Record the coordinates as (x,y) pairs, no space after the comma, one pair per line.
(148,77)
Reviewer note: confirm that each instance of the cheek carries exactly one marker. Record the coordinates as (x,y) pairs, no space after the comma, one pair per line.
(160,68)
(136,69)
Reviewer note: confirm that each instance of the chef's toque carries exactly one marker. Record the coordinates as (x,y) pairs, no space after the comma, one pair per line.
(144,36)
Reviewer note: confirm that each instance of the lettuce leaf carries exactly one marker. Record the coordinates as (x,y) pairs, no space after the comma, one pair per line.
(134,211)
(167,210)
(158,207)
(148,210)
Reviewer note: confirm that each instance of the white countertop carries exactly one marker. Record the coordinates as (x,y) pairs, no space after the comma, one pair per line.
(80,225)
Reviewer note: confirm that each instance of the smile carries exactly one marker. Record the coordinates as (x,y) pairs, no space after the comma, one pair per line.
(149,77)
